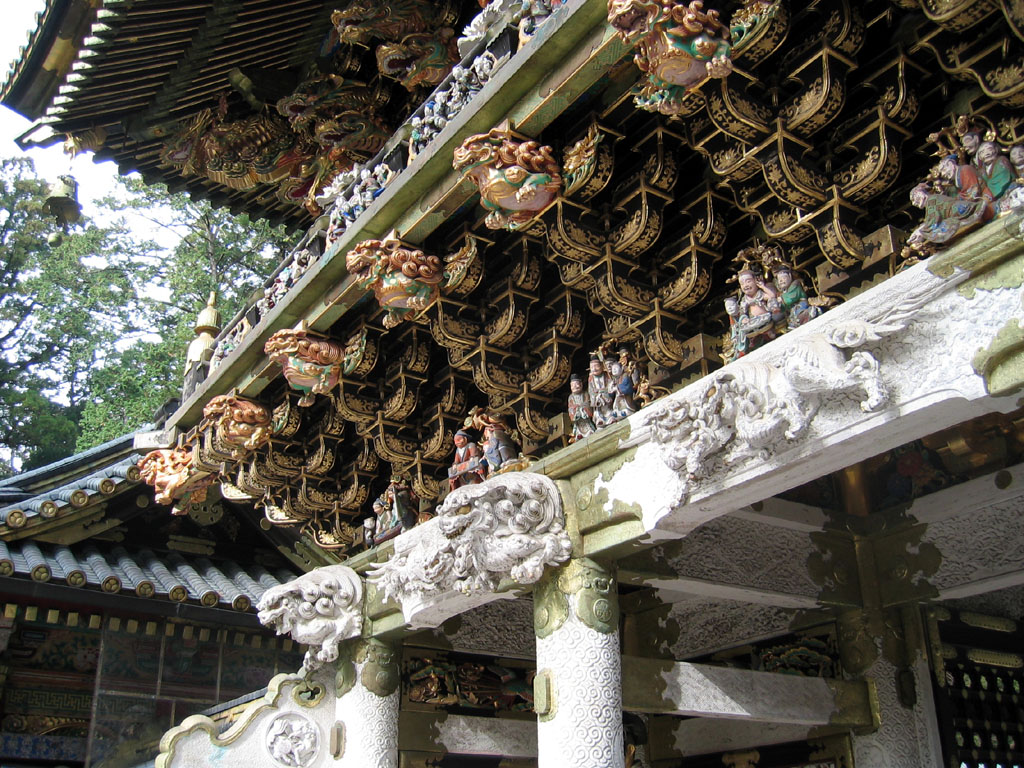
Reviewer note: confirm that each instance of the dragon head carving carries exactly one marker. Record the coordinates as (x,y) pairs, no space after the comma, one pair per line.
(362,21)
(320,609)
(419,59)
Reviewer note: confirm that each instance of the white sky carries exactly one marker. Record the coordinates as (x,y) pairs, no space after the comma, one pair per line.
(95,180)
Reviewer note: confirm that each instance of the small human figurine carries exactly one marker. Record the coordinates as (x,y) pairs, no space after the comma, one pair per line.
(383,524)
(469,466)
(532,14)
(1014,197)
(598,393)
(403,501)
(498,447)
(580,412)
(961,180)
(945,217)
(382,174)
(396,510)
(752,315)
(970,141)
(482,67)
(622,389)
(996,170)
(1017,160)
(794,305)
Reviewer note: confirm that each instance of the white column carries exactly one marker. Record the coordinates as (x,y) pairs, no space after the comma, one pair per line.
(367,706)
(907,737)
(579,682)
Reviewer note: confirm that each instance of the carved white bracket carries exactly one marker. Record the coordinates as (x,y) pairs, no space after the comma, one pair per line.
(320,609)
(508,527)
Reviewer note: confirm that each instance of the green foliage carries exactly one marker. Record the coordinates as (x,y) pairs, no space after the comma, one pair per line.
(59,308)
(93,331)
(207,250)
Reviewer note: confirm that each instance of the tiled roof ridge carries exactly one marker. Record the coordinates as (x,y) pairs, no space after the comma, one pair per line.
(205,580)
(15,481)
(16,67)
(78,493)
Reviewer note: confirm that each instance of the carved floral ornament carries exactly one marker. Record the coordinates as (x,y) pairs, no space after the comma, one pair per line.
(405,280)
(311,363)
(509,527)
(517,176)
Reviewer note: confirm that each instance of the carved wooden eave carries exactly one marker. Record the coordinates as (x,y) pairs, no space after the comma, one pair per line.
(325,292)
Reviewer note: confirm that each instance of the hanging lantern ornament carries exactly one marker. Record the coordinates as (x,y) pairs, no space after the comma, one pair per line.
(62,201)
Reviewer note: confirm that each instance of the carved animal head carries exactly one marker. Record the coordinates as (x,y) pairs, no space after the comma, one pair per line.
(230,408)
(365,259)
(357,134)
(364,20)
(320,608)
(419,59)
(633,18)
(166,470)
(498,147)
(300,344)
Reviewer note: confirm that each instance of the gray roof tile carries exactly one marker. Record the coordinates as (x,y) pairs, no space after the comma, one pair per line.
(223,584)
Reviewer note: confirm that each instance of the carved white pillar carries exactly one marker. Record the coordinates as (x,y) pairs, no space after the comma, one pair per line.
(907,735)
(367,706)
(578,690)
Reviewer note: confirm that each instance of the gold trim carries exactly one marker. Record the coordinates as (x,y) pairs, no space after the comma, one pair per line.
(308,694)
(995,658)
(993,623)
(544,695)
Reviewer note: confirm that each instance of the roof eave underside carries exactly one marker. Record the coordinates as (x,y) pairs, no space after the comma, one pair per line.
(143,67)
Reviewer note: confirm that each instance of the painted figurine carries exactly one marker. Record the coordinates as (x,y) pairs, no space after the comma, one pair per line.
(396,510)
(794,306)
(948,211)
(622,390)
(580,412)
(996,170)
(751,314)
(469,466)
(598,393)
(499,450)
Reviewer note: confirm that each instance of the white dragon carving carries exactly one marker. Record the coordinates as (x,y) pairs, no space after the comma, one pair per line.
(750,408)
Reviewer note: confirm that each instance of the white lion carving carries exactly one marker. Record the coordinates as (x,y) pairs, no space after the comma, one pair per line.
(320,609)
(509,527)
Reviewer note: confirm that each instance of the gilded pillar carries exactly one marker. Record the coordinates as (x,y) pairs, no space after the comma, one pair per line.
(367,706)
(578,689)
